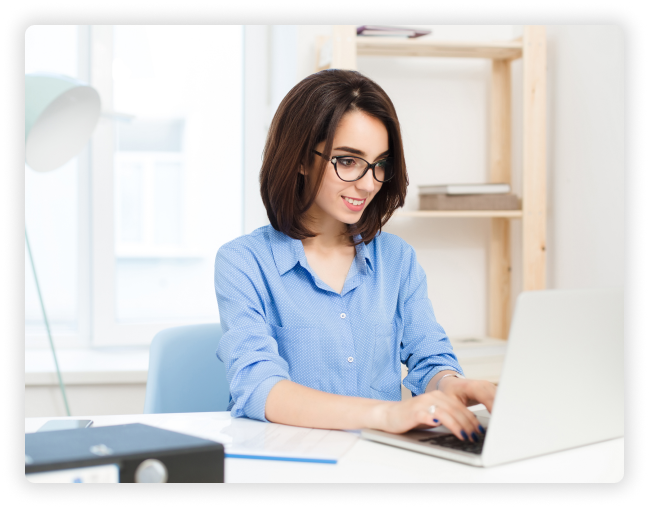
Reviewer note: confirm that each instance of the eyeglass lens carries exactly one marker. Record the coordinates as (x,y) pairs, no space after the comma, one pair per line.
(351,168)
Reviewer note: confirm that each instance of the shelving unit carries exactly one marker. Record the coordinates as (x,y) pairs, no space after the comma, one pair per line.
(341,51)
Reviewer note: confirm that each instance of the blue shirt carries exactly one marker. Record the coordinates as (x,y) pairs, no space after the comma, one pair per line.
(281,321)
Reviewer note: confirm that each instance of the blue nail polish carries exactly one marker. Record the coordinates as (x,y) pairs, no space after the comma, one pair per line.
(464,435)
(481,428)
(474,436)
(435,420)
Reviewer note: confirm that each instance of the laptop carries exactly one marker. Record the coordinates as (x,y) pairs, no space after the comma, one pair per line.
(561,386)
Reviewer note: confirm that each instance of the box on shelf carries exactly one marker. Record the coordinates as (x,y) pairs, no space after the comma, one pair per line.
(469,202)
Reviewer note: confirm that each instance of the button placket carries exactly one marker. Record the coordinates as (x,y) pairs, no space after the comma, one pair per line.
(343,315)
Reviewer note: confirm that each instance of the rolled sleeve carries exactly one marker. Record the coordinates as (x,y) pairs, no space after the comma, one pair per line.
(247,348)
(425,347)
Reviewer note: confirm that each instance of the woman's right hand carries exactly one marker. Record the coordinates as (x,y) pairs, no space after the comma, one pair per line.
(400,417)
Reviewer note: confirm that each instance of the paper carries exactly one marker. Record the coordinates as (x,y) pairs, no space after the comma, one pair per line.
(245,438)
(252,438)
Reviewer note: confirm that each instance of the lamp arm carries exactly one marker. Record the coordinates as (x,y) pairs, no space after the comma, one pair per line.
(47,326)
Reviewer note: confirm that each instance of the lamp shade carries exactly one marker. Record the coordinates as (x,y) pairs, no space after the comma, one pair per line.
(60,115)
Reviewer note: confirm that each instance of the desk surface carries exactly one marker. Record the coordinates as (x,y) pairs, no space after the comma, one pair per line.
(368,461)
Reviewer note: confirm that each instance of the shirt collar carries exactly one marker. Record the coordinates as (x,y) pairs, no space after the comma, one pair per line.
(288,252)
(363,256)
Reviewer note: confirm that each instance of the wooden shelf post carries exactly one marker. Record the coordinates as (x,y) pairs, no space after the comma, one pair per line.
(534,158)
(500,172)
(344,47)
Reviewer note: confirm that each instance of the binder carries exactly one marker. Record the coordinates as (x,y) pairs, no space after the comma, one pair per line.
(143,454)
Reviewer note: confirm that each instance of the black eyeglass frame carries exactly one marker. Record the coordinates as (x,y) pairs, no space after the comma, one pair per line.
(333,160)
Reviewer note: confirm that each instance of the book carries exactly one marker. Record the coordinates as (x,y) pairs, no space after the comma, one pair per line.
(466,188)
(469,202)
(390,31)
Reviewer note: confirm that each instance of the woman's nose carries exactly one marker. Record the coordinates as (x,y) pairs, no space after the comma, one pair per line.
(366,183)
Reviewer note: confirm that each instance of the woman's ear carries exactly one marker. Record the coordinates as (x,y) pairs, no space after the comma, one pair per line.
(302,170)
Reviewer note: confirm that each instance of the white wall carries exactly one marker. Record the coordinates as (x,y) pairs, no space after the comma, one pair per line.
(586,156)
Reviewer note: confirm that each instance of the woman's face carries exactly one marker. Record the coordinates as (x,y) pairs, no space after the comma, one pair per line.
(357,134)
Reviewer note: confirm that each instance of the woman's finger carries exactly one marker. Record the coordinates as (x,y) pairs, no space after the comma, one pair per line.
(466,419)
(467,424)
(483,392)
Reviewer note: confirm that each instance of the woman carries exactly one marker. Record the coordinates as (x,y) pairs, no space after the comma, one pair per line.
(320,308)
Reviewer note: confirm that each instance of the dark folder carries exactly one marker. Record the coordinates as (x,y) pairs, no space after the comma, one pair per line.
(142,453)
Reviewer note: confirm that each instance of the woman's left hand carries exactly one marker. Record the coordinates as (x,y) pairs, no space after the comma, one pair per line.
(469,391)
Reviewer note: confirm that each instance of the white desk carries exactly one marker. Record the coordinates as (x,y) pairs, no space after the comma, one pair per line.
(368,461)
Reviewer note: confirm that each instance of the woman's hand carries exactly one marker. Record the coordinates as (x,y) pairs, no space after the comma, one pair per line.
(399,417)
(469,391)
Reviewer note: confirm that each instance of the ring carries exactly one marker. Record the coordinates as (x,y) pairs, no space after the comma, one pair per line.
(431,409)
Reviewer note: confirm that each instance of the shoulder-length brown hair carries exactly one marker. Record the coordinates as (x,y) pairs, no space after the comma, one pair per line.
(309,114)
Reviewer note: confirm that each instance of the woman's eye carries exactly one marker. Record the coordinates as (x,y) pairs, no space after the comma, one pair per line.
(348,163)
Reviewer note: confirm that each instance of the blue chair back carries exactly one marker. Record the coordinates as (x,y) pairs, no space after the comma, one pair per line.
(185,376)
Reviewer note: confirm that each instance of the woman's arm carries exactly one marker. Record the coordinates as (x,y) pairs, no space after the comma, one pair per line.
(293,404)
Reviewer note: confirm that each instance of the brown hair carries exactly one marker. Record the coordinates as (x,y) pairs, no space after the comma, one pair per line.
(309,114)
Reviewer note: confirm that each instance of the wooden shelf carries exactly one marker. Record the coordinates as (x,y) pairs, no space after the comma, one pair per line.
(385,46)
(340,51)
(510,214)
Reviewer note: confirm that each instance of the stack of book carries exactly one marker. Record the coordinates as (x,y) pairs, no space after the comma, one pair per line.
(488,196)
(390,31)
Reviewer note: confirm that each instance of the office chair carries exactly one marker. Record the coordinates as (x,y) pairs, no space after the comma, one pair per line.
(185,376)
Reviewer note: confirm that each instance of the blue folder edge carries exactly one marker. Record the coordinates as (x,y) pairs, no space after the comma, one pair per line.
(270,457)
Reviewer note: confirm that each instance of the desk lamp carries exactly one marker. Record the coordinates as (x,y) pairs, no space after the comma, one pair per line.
(60,115)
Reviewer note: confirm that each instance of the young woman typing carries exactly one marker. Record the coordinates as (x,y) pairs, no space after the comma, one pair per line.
(319,308)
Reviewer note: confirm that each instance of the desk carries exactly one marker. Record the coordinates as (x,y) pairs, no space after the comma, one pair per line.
(368,461)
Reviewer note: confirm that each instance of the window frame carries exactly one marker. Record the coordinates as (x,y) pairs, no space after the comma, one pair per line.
(105,329)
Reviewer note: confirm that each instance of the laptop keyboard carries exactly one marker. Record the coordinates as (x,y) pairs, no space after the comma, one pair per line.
(450,441)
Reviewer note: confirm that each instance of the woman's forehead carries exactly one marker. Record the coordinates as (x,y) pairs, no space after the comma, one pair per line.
(363,133)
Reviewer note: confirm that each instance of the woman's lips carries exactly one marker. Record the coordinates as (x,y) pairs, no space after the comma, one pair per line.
(352,207)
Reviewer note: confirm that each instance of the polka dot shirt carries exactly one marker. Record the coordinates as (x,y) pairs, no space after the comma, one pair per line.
(281,321)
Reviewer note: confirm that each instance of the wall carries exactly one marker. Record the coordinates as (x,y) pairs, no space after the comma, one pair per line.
(586,77)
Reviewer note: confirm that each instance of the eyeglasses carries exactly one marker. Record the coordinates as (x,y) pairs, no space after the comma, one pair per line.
(350,168)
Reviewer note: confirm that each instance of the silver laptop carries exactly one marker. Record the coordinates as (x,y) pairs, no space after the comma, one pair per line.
(561,386)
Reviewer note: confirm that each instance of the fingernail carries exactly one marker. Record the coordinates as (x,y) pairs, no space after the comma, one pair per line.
(435,420)
(464,435)
(481,428)
(474,436)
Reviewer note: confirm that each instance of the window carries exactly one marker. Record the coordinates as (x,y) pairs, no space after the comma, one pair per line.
(52,208)
(164,182)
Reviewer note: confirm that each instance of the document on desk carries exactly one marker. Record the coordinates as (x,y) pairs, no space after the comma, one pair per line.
(252,439)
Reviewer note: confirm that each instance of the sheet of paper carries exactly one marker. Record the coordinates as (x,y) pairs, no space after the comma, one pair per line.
(246,438)
(250,437)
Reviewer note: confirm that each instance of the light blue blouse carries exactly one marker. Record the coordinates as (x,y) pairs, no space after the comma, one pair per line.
(281,321)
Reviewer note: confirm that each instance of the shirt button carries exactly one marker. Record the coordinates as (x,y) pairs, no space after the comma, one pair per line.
(343,315)
(350,359)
